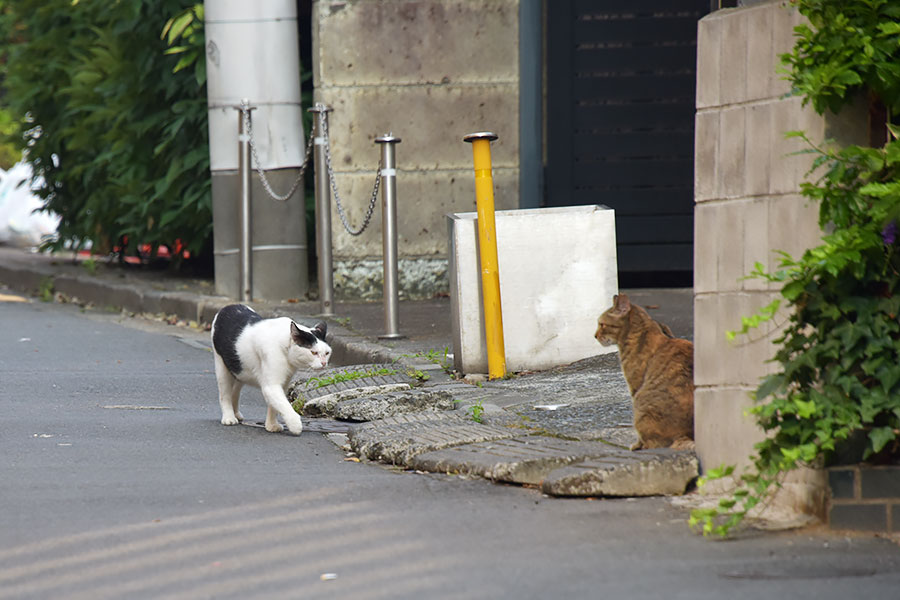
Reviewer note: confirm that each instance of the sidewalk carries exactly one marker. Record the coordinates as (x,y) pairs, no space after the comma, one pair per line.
(566,430)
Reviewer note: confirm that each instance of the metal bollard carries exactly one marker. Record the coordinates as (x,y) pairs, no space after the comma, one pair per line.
(487,243)
(244,170)
(323,214)
(389,236)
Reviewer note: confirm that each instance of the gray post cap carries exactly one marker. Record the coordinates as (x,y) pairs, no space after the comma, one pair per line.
(387,138)
(481,135)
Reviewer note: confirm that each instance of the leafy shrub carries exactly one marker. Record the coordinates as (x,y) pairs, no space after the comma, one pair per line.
(848,47)
(118,134)
(839,355)
(9,152)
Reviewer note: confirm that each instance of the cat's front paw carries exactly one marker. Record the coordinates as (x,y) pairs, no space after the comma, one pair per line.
(230,421)
(275,427)
(295,426)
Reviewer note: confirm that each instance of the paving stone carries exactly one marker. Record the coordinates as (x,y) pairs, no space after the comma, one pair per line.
(620,435)
(644,473)
(314,400)
(382,406)
(340,440)
(325,405)
(523,459)
(398,439)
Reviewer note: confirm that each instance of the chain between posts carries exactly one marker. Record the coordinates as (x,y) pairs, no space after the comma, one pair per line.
(248,127)
(337,198)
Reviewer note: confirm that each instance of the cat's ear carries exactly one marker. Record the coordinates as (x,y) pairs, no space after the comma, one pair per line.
(302,337)
(320,330)
(621,303)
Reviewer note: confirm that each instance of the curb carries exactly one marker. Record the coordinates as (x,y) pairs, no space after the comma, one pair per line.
(347,346)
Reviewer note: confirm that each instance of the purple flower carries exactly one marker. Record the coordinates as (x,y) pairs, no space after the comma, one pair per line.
(889,233)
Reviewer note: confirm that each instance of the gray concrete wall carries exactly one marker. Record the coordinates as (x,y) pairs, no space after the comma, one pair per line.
(747,205)
(430,71)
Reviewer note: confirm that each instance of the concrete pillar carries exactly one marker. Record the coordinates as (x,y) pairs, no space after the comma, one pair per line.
(747,205)
(252,52)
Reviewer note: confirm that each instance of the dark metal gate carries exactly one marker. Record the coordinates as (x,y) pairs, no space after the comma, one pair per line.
(620,121)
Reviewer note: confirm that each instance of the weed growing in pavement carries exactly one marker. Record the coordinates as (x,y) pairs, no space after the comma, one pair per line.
(45,289)
(437,357)
(476,410)
(317,382)
(418,375)
(90,265)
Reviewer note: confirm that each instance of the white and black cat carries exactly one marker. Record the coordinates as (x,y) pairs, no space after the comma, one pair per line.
(264,353)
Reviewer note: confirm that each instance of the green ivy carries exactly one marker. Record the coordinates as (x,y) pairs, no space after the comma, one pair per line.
(839,354)
(848,46)
(116,129)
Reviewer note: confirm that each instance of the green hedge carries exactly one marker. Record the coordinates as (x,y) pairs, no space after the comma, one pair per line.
(118,135)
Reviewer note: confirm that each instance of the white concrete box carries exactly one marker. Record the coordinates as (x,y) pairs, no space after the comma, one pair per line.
(558,273)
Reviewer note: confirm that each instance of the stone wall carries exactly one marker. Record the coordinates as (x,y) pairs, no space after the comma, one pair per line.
(430,71)
(747,206)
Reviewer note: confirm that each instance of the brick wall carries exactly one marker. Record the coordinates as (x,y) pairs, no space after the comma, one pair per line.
(864,498)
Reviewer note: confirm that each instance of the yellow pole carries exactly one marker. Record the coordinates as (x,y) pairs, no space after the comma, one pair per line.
(487,240)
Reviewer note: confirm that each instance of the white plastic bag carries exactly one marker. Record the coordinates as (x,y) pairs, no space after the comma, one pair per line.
(21,224)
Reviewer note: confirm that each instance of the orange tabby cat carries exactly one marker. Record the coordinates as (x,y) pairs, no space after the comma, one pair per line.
(659,370)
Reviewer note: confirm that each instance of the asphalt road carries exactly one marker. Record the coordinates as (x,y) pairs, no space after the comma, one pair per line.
(117,481)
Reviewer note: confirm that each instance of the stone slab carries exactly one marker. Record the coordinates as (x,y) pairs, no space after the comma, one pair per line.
(524,459)
(397,440)
(320,400)
(382,406)
(626,474)
(326,405)
(622,435)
